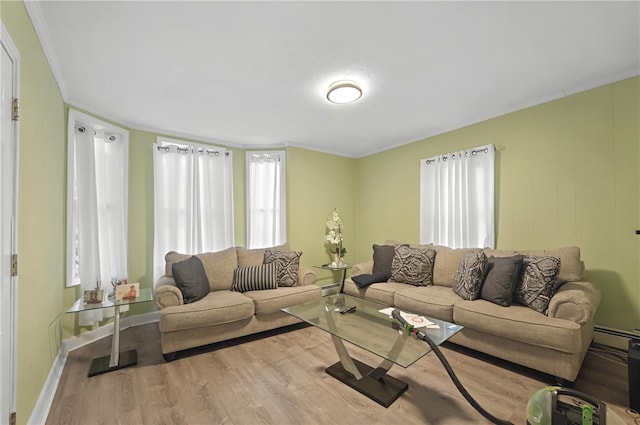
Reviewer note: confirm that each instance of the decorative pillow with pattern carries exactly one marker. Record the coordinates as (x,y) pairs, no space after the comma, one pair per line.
(412,265)
(538,283)
(288,264)
(255,278)
(470,275)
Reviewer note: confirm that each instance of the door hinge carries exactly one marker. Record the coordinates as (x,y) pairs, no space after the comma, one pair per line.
(15,109)
(14,265)
(12,418)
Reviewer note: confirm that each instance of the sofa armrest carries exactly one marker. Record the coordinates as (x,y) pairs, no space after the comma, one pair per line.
(166,293)
(306,276)
(575,301)
(362,268)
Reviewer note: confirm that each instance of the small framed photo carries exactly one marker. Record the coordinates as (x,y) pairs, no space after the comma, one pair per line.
(127,292)
(93,296)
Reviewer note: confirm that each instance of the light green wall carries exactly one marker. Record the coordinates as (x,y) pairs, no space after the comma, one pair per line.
(41,209)
(316,183)
(567,173)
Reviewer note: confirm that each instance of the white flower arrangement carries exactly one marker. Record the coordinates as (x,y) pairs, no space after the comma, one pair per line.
(334,234)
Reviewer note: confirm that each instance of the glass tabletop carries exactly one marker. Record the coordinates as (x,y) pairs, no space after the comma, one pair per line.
(80,305)
(371,329)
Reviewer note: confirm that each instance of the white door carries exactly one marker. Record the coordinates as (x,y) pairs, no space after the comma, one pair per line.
(8,224)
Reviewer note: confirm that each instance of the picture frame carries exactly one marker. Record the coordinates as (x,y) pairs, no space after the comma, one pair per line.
(127,292)
(93,296)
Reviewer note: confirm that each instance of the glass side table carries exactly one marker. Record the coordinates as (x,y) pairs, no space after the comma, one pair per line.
(343,269)
(116,360)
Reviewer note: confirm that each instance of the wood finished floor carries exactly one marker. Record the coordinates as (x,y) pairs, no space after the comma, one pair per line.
(279,378)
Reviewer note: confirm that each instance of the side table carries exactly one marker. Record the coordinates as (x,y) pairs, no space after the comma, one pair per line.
(116,360)
(336,269)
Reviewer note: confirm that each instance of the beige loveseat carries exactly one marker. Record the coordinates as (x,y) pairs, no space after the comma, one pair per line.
(224,313)
(554,343)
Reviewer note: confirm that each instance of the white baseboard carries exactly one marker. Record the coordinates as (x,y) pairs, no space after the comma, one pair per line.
(43,405)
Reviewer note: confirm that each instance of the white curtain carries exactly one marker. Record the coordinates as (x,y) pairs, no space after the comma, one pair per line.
(266,201)
(457,199)
(100,171)
(193,200)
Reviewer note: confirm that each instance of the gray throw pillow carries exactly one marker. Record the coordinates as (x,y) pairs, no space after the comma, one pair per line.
(191,279)
(255,278)
(412,265)
(382,259)
(538,283)
(364,280)
(470,275)
(287,263)
(503,274)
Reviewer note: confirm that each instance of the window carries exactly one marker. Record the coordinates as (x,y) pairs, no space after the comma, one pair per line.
(193,199)
(457,199)
(266,199)
(97,195)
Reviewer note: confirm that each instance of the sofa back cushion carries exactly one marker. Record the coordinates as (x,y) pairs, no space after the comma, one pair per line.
(255,257)
(218,266)
(447,263)
(571,266)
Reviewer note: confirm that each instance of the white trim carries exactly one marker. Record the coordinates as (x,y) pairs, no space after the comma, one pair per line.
(40,26)
(45,400)
(6,42)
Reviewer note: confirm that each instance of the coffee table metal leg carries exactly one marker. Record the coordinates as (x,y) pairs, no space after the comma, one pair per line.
(345,358)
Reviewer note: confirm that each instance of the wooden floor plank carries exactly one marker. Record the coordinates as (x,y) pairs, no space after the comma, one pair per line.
(279,378)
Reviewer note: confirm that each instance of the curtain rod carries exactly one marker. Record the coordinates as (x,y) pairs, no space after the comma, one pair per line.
(179,149)
(453,155)
(82,129)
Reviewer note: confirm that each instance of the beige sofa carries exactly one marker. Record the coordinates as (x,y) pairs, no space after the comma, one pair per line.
(555,343)
(223,313)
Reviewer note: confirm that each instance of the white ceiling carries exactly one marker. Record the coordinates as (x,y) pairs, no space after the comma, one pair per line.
(254,74)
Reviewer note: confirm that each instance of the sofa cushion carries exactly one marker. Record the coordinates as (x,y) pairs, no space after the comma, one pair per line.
(470,275)
(500,282)
(287,263)
(255,278)
(218,266)
(273,300)
(571,266)
(191,279)
(363,280)
(255,257)
(412,265)
(380,292)
(519,323)
(447,262)
(538,282)
(217,307)
(431,301)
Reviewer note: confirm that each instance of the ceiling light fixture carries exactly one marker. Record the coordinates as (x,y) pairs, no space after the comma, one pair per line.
(344,92)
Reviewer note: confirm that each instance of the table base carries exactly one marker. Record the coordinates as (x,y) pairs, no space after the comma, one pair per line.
(101,364)
(383,390)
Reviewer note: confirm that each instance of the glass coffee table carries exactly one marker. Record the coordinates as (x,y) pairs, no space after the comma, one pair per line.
(375,331)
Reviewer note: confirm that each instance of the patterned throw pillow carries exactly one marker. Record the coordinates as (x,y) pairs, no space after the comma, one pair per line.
(255,278)
(412,265)
(287,262)
(470,275)
(538,283)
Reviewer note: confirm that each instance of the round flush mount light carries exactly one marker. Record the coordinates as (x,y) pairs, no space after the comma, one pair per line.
(344,92)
